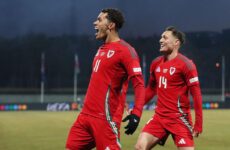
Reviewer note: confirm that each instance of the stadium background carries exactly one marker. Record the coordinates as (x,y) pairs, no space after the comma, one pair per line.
(61,30)
(21,64)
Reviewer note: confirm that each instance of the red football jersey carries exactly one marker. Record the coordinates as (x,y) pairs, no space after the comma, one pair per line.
(172,80)
(113,65)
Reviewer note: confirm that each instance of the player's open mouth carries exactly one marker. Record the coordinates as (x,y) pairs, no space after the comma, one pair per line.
(97,30)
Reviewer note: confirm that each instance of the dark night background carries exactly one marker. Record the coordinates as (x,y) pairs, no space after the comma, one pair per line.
(62,28)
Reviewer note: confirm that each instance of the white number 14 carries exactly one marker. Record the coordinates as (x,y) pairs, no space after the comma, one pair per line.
(163,82)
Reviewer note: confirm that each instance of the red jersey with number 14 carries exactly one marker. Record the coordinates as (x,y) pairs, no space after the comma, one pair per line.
(113,65)
(172,80)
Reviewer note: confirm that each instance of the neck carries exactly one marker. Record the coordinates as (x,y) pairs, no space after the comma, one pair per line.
(112,37)
(171,55)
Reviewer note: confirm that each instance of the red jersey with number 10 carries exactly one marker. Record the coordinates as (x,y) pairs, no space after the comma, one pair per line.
(113,65)
(172,80)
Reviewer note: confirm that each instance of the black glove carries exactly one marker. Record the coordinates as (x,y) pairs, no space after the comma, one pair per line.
(133,123)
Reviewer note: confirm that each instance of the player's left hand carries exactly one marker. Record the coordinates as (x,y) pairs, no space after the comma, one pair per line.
(133,123)
(197,130)
(195,133)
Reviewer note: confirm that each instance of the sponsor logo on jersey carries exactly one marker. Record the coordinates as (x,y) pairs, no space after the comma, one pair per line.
(195,79)
(172,70)
(110,53)
(102,54)
(137,69)
(182,141)
(158,69)
(165,70)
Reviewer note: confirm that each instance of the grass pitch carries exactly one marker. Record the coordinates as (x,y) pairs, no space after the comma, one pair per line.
(40,130)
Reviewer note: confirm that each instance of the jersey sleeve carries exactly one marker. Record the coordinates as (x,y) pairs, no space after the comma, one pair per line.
(139,91)
(190,73)
(150,90)
(197,102)
(192,81)
(131,62)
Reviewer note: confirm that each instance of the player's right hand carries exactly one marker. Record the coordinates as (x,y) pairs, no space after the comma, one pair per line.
(133,123)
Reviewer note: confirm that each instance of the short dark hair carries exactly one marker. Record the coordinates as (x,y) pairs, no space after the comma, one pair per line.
(176,33)
(115,16)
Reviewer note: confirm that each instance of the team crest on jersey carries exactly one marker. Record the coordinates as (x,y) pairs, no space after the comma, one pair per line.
(158,69)
(172,70)
(110,53)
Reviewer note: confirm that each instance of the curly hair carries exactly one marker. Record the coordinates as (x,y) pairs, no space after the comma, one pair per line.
(115,16)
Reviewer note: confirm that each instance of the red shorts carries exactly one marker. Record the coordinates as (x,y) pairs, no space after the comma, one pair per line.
(180,128)
(88,132)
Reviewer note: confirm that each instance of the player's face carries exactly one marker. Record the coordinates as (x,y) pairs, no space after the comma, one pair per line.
(168,42)
(101,26)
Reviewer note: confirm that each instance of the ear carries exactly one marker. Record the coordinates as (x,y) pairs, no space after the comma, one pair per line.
(177,42)
(111,25)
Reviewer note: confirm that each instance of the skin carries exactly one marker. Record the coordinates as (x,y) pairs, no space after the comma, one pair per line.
(105,29)
(169,47)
